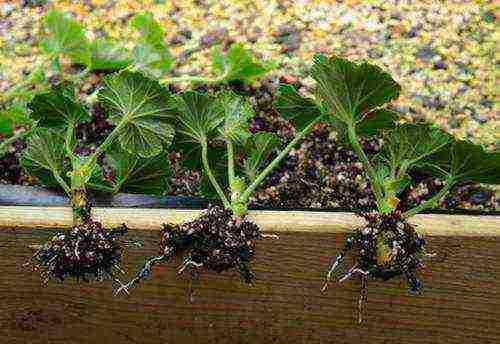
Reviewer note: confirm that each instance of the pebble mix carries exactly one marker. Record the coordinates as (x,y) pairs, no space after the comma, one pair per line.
(443,53)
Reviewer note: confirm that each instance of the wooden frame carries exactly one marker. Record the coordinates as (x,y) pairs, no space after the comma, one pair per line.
(285,305)
(279,221)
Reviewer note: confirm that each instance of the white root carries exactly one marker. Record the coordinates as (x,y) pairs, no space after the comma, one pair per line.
(188,263)
(333,266)
(270,236)
(352,271)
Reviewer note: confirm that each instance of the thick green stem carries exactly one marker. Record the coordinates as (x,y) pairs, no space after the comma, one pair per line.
(358,149)
(206,166)
(236,185)
(79,204)
(81,174)
(265,172)
(79,201)
(431,202)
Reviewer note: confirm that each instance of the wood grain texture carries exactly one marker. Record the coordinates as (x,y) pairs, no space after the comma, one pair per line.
(281,221)
(460,303)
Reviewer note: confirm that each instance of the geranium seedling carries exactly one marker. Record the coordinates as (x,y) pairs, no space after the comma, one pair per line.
(140,109)
(354,97)
(64,37)
(237,64)
(221,238)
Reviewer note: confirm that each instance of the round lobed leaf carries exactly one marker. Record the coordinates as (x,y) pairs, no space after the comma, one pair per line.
(58,107)
(141,109)
(350,90)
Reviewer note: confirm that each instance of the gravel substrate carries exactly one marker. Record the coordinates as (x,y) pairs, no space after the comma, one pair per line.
(442,53)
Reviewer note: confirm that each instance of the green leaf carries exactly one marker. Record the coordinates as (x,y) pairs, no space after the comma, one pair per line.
(258,150)
(198,116)
(44,156)
(108,55)
(63,35)
(392,185)
(98,182)
(141,109)
(57,107)
(150,54)
(375,121)
(139,175)
(296,108)
(6,126)
(13,117)
(373,124)
(237,114)
(238,64)
(218,60)
(409,144)
(350,90)
(465,161)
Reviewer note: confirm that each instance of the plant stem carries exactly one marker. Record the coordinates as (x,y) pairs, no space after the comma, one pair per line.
(230,161)
(356,146)
(260,178)
(69,138)
(194,79)
(61,182)
(83,172)
(105,145)
(79,204)
(206,166)
(450,183)
(236,185)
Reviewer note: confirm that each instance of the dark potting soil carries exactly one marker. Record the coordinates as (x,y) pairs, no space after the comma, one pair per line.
(214,241)
(85,252)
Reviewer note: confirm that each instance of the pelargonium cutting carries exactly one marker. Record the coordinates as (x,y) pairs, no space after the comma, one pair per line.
(132,101)
(354,98)
(213,130)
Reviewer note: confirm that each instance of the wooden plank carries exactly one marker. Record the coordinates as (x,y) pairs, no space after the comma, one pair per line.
(278,221)
(460,303)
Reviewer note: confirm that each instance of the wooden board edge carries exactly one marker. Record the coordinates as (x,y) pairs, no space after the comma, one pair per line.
(271,221)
